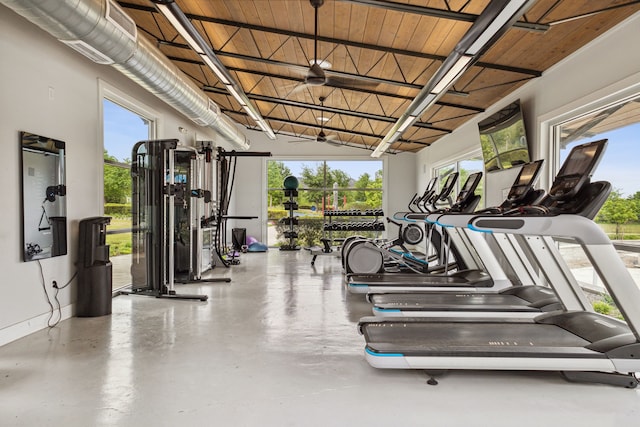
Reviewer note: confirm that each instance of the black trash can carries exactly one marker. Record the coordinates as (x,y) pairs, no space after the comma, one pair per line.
(238,238)
(94,269)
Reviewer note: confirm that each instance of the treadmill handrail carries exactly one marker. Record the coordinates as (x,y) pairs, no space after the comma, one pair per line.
(456,220)
(596,245)
(573,226)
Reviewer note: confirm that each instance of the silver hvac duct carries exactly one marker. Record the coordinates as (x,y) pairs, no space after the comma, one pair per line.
(103,32)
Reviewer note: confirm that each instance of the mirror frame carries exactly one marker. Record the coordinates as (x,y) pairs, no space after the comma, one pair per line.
(43,196)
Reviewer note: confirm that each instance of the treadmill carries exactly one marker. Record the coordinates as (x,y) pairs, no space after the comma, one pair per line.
(480,269)
(583,345)
(516,301)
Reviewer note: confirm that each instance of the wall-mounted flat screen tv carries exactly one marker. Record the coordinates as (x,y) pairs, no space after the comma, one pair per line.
(503,138)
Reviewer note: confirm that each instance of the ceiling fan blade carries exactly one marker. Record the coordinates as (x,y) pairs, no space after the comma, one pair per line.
(335,143)
(302,138)
(349,82)
(297,89)
(299,70)
(288,87)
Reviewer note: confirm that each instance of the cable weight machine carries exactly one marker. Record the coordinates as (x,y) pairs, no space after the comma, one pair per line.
(226,162)
(168,199)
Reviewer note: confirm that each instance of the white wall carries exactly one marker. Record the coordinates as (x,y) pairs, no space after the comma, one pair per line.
(250,195)
(607,64)
(34,65)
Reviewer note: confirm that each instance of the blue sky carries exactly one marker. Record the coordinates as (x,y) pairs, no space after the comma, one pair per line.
(122,129)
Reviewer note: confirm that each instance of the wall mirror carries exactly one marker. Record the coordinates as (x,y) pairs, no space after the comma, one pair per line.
(44,206)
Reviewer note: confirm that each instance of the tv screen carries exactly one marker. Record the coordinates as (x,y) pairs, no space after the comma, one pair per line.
(503,139)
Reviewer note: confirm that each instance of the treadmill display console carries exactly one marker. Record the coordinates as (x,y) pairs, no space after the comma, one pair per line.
(430,186)
(577,169)
(429,191)
(524,181)
(469,186)
(448,186)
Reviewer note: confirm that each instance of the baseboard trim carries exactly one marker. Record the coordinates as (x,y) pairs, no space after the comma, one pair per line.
(35,324)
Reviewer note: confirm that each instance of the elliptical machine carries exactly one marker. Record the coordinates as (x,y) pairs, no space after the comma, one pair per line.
(364,256)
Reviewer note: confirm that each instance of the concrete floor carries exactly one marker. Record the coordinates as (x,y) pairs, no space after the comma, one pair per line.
(276,347)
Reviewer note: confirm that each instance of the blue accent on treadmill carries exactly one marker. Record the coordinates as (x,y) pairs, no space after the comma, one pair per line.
(413,258)
(358,284)
(481,230)
(387,310)
(443,225)
(373,353)
(430,221)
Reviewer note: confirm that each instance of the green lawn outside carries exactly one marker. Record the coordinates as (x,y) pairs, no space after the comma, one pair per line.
(630,231)
(119,223)
(119,244)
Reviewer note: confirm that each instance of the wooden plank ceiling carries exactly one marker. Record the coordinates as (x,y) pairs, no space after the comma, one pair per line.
(381,54)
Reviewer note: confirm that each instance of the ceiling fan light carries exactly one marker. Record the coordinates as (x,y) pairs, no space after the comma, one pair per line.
(323,119)
(322,63)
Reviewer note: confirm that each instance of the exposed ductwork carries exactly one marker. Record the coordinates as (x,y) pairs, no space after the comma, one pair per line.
(103,32)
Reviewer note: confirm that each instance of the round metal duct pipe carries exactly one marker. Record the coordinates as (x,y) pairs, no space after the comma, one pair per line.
(103,32)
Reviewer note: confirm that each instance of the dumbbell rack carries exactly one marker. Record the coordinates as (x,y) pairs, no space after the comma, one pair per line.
(330,226)
(374,225)
(291,234)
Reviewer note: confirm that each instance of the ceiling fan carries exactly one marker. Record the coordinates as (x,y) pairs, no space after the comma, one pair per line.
(323,137)
(316,76)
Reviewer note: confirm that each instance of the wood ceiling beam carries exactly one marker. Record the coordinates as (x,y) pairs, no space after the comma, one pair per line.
(440,13)
(325,127)
(150,9)
(325,108)
(293,79)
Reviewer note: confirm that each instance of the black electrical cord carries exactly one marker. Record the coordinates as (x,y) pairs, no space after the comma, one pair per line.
(55,297)
(68,283)
(44,288)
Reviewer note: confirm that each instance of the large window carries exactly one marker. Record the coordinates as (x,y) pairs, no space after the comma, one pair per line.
(619,122)
(122,129)
(465,167)
(323,185)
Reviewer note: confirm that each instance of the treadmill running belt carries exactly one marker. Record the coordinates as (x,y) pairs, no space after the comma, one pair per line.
(476,339)
(450,302)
